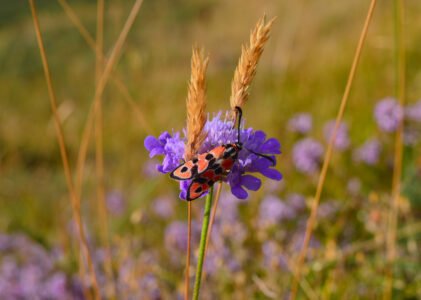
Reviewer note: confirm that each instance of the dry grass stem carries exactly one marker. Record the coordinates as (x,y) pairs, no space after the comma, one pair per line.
(196,103)
(313,214)
(397,163)
(103,227)
(75,200)
(99,90)
(196,119)
(247,64)
(121,87)
(215,207)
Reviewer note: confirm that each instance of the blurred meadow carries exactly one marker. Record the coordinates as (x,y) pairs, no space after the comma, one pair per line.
(138,236)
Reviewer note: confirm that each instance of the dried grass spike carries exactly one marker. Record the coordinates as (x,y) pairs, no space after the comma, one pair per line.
(196,103)
(246,68)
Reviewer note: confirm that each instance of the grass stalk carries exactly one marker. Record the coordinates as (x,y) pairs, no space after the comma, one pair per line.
(201,258)
(99,155)
(100,89)
(75,200)
(397,161)
(120,85)
(315,203)
(212,219)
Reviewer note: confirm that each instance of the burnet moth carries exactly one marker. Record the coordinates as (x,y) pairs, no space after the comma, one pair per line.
(207,168)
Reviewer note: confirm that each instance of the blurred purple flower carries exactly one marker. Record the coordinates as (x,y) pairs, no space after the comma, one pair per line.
(388,113)
(327,209)
(273,210)
(368,153)
(342,137)
(273,256)
(116,204)
(354,186)
(176,235)
(221,132)
(296,201)
(306,155)
(413,112)
(301,123)
(163,206)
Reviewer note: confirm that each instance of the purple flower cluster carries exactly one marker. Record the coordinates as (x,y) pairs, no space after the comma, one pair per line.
(369,152)
(388,114)
(27,271)
(301,123)
(273,211)
(306,155)
(221,132)
(342,137)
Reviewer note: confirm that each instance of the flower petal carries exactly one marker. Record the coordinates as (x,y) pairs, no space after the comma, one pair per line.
(250,182)
(272,174)
(271,146)
(239,192)
(151,142)
(156,151)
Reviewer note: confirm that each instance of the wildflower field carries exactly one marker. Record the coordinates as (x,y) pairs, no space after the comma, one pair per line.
(293,129)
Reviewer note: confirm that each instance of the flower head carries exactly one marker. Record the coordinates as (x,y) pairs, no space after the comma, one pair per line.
(273,210)
(219,132)
(369,152)
(388,114)
(306,155)
(301,123)
(342,137)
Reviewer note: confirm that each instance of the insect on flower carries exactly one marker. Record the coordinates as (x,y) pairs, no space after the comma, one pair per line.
(210,167)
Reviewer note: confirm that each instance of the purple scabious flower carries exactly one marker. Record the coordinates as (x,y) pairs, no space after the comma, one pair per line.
(388,114)
(342,137)
(221,131)
(171,146)
(368,153)
(306,155)
(273,210)
(413,112)
(301,123)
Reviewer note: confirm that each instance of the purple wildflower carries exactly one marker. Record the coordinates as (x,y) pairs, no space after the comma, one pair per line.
(369,152)
(296,201)
(388,114)
(170,146)
(301,123)
(413,112)
(273,256)
(342,137)
(306,155)
(115,203)
(221,132)
(163,206)
(273,210)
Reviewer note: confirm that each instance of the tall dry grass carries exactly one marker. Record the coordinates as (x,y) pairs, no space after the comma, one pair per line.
(328,155)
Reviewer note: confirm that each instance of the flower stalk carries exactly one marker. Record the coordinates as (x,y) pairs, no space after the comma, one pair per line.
(202,247)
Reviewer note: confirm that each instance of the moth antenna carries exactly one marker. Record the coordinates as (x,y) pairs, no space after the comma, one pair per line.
(239,116)
(264,156)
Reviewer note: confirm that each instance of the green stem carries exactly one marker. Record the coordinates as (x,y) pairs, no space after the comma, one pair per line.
(202,247)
